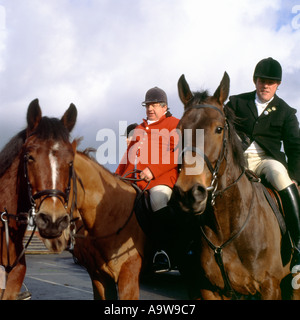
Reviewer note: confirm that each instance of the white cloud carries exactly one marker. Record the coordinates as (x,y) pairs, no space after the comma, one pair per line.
(103,55)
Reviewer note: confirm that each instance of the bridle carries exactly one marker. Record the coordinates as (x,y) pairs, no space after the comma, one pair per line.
(63,196)
(24,218)
(214,170)
(218,250)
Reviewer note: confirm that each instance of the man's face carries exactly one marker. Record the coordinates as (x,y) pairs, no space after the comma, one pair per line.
(155,111)
(266,88)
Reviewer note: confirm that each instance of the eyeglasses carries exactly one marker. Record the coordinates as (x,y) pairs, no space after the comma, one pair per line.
(153,104)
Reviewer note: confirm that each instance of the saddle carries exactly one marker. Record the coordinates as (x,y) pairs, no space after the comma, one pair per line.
(275,203)
(143,210)
(144,213)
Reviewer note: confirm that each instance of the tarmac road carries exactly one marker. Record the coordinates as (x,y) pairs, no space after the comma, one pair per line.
(57,277)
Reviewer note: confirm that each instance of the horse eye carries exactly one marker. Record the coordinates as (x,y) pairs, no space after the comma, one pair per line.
(30,158)
(219,130)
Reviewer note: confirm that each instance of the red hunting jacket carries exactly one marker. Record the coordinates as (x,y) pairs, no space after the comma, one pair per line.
(153,146)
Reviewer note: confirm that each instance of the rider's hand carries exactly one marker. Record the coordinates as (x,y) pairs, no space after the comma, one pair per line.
(146,174)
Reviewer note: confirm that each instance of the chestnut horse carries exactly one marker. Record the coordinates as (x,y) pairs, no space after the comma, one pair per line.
(111,243)
(29,183)
(239,236)
(13,278)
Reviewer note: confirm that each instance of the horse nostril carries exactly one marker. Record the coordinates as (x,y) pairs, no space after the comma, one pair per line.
(43,221)
(199,192)
(63,223)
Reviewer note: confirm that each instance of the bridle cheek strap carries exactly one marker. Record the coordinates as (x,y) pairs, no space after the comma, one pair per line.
(213,170)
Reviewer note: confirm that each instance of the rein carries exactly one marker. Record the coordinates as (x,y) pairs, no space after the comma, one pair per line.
(123,178)
(22,218)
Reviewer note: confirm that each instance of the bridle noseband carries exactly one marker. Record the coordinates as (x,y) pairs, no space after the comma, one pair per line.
(47,193)
(214,170)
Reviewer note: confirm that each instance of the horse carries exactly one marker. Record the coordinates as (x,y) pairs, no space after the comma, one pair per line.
(31,180)
(238,238)
(67,187)
(109,241)
(12,278)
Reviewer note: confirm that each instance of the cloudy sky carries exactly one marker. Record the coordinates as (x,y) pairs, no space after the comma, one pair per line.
(103,55)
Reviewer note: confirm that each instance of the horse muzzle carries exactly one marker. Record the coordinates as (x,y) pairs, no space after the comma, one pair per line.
(49,228)
(191,201)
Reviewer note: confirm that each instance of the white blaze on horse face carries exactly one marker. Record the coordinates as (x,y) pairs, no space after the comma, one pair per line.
(193,152)
(53,164)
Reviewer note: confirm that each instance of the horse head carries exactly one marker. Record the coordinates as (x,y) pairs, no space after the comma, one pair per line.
(205,114)
(48,168)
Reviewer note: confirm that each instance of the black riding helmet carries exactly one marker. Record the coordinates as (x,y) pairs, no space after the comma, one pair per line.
(268,69)
(155,95)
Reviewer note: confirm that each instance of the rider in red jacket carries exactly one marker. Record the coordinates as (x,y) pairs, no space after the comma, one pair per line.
(151,154)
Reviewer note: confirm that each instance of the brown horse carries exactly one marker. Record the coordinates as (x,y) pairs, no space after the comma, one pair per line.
(29,183)
(9,164)
(240,239)
(111,243)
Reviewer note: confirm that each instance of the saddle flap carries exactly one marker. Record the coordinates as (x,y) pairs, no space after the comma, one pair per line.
(142,209)
(275,202)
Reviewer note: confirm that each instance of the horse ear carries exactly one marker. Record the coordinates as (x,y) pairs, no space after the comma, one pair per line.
(185,93)
(34,116)
(74,145)
(69,118)
(222,91)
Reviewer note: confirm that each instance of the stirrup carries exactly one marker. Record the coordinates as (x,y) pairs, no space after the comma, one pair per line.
(165,267)
(26,295)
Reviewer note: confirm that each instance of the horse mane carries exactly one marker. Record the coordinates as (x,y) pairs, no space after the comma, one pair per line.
(234,140)
(11,150)
(87,153)
(52,128)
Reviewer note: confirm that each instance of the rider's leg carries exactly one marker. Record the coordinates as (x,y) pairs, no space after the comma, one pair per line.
(276,174)
(291,203)
(161,220)
(159,197)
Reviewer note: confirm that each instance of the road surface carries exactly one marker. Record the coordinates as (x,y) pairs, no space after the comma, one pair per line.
(57,277)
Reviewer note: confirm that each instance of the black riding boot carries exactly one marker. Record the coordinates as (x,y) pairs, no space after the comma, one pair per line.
(291,204)
(172,235)
(162,221)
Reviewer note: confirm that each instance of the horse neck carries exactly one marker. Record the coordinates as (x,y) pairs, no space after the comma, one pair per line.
(11,189)
(101,193)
